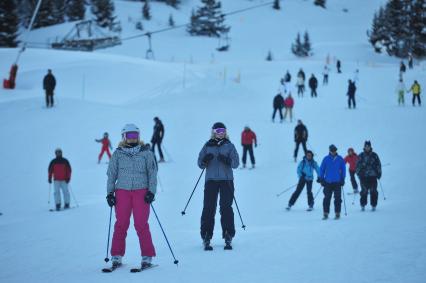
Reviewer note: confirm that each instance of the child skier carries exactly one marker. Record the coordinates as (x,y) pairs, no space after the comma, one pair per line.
(352,159)
(106,146)
(400,90)
(305,172)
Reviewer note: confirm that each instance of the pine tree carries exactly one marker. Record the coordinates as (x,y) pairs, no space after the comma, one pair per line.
(45,15)
(418,28)
(75,10)
(320,3)
(173,3)
(9,23)
(146,10)
(103,10)
(208,20)
(276,5)
(306,44)
(269,56)
(58,11)
(171,21)
(297,47)
(397,25)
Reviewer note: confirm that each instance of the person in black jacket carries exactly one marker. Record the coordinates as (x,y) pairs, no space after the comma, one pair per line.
(369,170)
(300,137)
(278,106)
(157,137)
(49,84)
(313,84)
(351,94)
(339,65)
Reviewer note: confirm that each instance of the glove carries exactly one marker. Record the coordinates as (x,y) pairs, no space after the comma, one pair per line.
(110,199)
(319,180)
(342,183)
(255,145)
(224,159)
(67,181)
(50,181)
(379,176)
(149,197)
(207,158)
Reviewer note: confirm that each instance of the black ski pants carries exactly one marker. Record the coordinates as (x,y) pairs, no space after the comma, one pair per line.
(329,190)
(296,150)
(314,92)
(249,148)
(369,184)
(49,98)
(280,111)
(158,143)
(299,189)
(416,96)
(224,188)
(353,180)
(351,100)
(325,80)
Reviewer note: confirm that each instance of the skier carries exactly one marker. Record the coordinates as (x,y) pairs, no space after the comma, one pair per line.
(325,73)
(218,156)
(157,137)
(248,137)
(131,188)
(402,67)
(352,159)
(278,105)
(300,83)
(400,90)
(60,170)
(288,104)
(351,94)
(356,76)
(410,61)
(339,65)
(332,178)
(305,172)
(106,146)
(369,170)
(287,77)
(300,137)
(416,90)
(49,84)
(313,84)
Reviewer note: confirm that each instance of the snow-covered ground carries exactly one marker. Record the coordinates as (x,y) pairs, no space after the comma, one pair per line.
(189,91)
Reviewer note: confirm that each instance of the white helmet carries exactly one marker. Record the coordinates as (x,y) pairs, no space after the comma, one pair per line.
(129,128)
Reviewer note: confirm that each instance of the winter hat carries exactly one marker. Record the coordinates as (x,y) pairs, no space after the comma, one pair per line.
(310,152)
(332,148)
(58,151)
(367,143)
(218,125)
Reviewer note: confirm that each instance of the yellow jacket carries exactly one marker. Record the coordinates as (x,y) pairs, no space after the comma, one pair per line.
(415,88)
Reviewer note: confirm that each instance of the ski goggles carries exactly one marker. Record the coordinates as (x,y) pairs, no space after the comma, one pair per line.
(131,135)
(219,131)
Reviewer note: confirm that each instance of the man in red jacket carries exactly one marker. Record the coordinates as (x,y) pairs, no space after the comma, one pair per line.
(248,138)
(288,104)
(352,159)
(60,170)
(106,146)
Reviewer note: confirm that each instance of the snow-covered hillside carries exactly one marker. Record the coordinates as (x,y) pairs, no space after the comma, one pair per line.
(189,91)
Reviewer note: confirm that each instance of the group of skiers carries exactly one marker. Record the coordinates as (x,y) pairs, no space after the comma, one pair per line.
(415,89)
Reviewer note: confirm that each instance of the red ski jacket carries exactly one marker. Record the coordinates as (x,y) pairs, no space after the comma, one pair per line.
(248,137)
(105,143)
(289,102)
(60,168)
(351,160)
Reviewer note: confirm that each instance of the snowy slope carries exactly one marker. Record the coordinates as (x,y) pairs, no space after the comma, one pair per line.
(101,91)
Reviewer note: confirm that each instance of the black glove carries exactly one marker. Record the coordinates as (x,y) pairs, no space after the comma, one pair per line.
(303,175)
(67,181)
(319,180)
(342,183)
(379,176)
(50,181)
(224,159)
(149,197)
(110,199)
(207,158)
(255,145)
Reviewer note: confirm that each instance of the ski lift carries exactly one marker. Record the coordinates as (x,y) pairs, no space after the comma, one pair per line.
(223,44)
(149,53)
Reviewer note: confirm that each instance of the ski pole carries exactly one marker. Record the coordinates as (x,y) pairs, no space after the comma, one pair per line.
(344,201)
(383,192)
(317,193)
(196,184)
(73,196)
(353,201)
(238,209)
(386,164)
(109,234)
(286,190)
(50,189)
(165,237)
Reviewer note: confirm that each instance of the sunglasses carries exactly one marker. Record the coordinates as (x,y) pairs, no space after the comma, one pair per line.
(220,130)
(132,135)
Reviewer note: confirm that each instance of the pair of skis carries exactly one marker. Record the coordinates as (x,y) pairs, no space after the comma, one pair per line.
(133,270)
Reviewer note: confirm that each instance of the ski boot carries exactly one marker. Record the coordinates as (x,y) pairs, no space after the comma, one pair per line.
(161,160)
(58,207)
(337,217)
(116,261)
(252,166)
(228,241)
(146,262)
(362,208)
(288,208)
(66,206)
(206,244)
(325,217)
(310,208)
(373,208)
